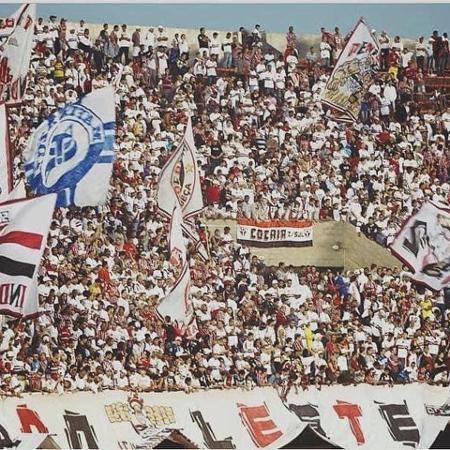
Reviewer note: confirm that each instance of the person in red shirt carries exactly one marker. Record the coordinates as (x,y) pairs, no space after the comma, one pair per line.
(213,192)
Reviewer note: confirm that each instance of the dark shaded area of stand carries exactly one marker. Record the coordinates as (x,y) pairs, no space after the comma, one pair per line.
(308,438)
(443,438)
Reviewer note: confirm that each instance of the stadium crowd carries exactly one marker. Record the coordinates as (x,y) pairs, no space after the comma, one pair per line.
(267,149)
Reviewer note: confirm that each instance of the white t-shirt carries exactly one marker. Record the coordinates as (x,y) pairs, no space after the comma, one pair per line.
(325,50)
(211,68)
(124,39)
(214,46)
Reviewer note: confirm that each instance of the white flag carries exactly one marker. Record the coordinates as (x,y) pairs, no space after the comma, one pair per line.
(177,246)
(72,152)
(16,53)
(24,226)
(423,244)
(5,157)
(353,73)
(180,179)
(18,192)
(177,304)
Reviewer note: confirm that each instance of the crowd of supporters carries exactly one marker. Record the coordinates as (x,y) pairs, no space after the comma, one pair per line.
(267,149)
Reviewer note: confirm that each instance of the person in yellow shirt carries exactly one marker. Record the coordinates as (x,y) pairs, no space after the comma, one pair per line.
(426,308)
(308,336)
(95,289)
(58,70)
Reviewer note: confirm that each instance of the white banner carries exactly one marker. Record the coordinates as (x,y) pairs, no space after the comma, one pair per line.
(423,244)
(24,226)
(274,233)
(363,417)
(5,156)
(353,73)
(177,303)
(16,53)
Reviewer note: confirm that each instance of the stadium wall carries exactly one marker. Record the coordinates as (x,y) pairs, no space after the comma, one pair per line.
(335,244)
(277,40)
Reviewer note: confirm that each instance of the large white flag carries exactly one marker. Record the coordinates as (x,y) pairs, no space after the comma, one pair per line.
(353,73)
(15,53)
(180,179)
(177,304)
(24,226)
(423,244)
(72,152)
(5,156)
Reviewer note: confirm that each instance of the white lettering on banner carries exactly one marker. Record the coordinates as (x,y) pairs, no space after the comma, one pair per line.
(363,417)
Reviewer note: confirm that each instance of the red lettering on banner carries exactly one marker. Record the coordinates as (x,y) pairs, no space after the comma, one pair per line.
(29,418)
(351,412)
(261,427)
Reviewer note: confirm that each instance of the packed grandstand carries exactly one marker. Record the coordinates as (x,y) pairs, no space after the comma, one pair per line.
(267,149)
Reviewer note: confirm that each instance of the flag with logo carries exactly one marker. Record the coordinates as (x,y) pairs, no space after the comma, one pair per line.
(24,226)
(180,180)
(72,153)
(5,156)
(15,53)
(177,304)
(423,244)
(353,74)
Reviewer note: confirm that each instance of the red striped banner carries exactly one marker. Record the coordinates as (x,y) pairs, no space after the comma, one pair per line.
(30,240)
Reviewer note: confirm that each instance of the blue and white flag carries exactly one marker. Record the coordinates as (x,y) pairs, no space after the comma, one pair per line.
(72,153)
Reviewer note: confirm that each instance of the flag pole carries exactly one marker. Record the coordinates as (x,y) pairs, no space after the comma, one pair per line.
(9,155)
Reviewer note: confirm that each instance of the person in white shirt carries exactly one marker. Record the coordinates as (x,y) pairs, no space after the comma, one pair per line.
(214,45)
(390,94)
(81,28)
(162,39)
(325,53)
(85,43)
(72,42)
(183,45)
(124,45)
(211,65)
(385,45)
(421,53)
(149,39)
(227,51)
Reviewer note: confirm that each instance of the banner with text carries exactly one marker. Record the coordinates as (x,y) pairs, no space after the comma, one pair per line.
(364,417)
(275,233)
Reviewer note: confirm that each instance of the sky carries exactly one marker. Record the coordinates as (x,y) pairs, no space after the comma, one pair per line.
(407,20)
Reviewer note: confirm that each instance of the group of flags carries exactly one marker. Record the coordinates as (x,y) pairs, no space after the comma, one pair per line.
(69,162)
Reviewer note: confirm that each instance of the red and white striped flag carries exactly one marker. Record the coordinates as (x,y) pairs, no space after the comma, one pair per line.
(24,226)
